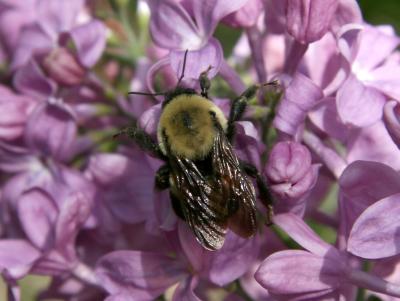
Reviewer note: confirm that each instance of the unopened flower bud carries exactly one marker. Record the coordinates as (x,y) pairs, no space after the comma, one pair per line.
(290,171)
(63,67)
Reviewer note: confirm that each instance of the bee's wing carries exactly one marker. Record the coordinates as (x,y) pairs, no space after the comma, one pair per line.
(236,186)
(204,208)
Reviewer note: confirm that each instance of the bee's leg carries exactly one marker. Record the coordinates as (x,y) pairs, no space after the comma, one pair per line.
(162,177)
(237,109)
(176,205)
(205,82)
(265,194)
(144,141)
(239,105)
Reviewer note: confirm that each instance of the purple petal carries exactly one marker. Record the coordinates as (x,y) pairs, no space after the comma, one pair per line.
(392,120)
(358,104)
(198,61)
(149,119)
(209,12)
(329,71)
(184,291)
(73,214)
(326,118)
(61,65)
(308,21)
(17,257)
(246,16)
(348,11)
(89,40)
(30,80)
(18,108)
(384,78)
(375,45)
(51,130)
(247,143)
(33,41)
(232,260)
(373,143)
(303,235)
(52,20)
(300,97)
(171,26)
(361,184)
(295,271)
(129,187)
(37,213)
(134,272)
(375,233)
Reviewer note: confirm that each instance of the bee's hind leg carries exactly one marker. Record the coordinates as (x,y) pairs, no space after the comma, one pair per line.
(265,194)
(143,140)
(162,182)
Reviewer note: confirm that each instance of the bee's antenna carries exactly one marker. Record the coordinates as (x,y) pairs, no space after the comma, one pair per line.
(183,67)
(146,93)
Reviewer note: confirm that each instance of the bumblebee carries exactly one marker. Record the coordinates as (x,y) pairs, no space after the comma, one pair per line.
(209,185)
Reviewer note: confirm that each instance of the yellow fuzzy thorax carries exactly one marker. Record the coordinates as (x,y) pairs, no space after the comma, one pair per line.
(188,126)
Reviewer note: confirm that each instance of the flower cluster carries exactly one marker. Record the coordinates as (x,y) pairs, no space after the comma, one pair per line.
(81,207)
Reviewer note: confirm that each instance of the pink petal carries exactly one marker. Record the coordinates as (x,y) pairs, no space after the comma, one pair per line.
(198,61)
(37,213)
(375,233)
(90,41)
(358,104)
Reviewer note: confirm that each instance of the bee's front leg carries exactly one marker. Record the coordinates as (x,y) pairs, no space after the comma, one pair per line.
(143,140)
(205,83)
(265,195)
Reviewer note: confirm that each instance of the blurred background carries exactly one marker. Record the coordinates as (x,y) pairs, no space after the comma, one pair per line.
(374,12)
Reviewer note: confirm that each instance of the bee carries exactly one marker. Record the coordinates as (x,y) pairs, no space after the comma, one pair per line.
(209,186)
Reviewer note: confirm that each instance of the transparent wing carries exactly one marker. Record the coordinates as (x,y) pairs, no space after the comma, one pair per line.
(203,207)
(236,187)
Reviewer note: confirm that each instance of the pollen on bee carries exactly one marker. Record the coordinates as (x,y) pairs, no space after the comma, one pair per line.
(188,126)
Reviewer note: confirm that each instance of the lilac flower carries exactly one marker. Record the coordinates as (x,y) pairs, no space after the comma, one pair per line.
(132,273)
(372,73)
(185,34)
(42,57)
(320,272)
